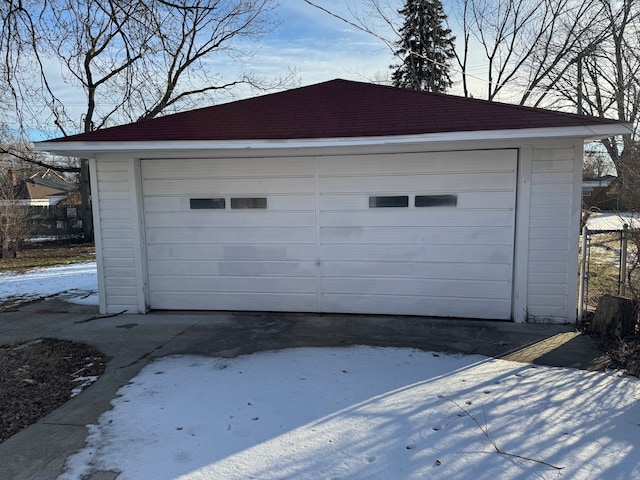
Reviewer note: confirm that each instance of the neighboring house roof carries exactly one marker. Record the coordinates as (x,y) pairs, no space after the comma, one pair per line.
(41,188)
(39,191)
(606,179)
(337,109)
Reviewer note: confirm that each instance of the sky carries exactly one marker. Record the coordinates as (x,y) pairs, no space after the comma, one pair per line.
(321,47)
(313,45)
(307,42)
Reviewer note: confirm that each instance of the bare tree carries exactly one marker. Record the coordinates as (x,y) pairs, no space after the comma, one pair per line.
(15,219)
(574,55)
(520,43)
(602,78)
(595,163)
(125,61)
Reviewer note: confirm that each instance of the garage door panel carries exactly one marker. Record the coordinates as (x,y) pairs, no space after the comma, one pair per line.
(213,235)
(490,200)
(246,284)
(427,306)
(227,168)
(175,204)
(230,219)
(416,253)
(254,253)
(472,199)
(402,183)
(420,163)
(235,301)
(233,186)
(233,268)
(418,270)
(417,235)
(453,289)
(396,217)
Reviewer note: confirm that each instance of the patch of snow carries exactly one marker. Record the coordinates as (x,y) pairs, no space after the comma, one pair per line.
(76,283)
(85,382)
(365,413)
(613,220)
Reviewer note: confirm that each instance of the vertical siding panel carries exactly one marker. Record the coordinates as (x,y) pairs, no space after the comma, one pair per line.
(138,234)
(112,180)
(97,234)
(553,242)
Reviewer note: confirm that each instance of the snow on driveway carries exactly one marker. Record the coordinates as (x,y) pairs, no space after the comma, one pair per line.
(366,413)
(352,413)
(75,283)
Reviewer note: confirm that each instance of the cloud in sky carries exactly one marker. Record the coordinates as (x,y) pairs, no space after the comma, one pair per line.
(320,47)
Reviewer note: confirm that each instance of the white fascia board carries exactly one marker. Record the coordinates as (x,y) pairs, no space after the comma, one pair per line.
(89,149)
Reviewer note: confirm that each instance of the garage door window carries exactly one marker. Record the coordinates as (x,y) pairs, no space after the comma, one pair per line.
(243,203)
(207,203)
(436,200)
(385,202)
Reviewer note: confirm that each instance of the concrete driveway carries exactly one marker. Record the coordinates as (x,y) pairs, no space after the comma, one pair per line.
(40,451)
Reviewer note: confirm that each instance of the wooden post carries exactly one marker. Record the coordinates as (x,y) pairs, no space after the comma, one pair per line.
(583,273)
(623,260)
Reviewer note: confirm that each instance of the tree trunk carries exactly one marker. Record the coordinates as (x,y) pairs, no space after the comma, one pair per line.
(615,317)
(85,208)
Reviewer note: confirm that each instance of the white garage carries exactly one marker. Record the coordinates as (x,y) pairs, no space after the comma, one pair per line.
(342,197)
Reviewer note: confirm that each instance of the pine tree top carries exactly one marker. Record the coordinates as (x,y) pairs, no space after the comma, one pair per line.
(426,47)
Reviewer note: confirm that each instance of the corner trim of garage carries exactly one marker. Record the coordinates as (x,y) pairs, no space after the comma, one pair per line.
(521,241)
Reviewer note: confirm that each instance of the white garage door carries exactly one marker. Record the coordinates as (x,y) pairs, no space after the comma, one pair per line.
(412,234)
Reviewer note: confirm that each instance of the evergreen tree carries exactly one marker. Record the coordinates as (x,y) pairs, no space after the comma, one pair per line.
(426,47)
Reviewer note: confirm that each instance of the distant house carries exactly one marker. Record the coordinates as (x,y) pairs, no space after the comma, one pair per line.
(51,199)
(43,190)
(342,197)
(600,193)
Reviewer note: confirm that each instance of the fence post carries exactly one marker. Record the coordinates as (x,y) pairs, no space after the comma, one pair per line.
(583,273)
(623,260)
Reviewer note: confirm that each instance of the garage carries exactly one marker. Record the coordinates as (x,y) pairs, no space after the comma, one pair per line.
(342,197)
(417,234)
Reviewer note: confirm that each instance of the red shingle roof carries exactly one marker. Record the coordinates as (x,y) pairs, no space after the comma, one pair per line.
(337,109)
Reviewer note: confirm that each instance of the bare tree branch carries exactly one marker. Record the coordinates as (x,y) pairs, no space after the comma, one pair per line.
(26,155)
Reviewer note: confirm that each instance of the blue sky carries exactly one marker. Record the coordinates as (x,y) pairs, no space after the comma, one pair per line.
(320,47)
(314,45)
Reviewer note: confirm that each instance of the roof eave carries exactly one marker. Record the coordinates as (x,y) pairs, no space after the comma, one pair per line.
(90,149)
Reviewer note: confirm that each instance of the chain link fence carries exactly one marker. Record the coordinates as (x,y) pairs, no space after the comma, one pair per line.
(604,266)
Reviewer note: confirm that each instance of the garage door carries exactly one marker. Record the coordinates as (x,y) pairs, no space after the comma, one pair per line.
(411,234)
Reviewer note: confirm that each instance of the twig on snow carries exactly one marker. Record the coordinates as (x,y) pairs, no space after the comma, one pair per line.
(495,446)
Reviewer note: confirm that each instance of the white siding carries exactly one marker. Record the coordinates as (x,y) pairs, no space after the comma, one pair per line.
(112,190)
(552,235)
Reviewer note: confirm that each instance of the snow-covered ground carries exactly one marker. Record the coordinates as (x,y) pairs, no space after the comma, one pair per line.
(612,220)
(366,413)
(76,283)
(352,413)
